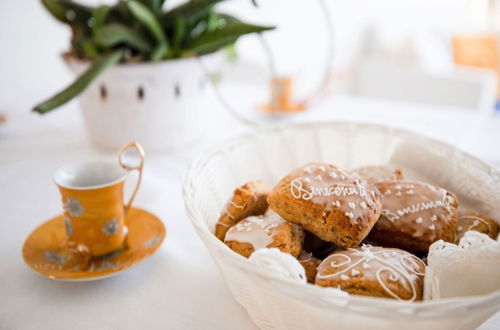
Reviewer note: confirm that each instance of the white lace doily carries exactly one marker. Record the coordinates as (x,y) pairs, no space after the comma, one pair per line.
(279,263)
(469,268)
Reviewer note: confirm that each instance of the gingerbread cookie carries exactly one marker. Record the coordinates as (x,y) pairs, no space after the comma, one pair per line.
(374,174)
(415,215)
(374,271)
(310,264)
(264,231)
(328,201)
(477,222)
(247,200)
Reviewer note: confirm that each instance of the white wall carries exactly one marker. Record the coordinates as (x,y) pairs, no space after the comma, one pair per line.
(31,41)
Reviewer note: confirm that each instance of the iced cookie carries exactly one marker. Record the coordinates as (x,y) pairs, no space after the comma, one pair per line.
(269,231)
(331,203)
(477,222)
(374,271)
(310,264)
(247,200)
(415,215)
(374,174)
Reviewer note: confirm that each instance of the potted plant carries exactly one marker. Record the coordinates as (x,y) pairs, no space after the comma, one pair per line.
(138,66)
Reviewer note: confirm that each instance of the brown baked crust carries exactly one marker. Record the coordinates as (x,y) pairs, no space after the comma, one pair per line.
(374,271)
(415,215)
(247,200)
(310,264)
(477,222)
(344,210)
(375,174)
(285,236)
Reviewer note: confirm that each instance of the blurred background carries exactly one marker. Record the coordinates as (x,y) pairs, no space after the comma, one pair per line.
(441,53)
(379,34)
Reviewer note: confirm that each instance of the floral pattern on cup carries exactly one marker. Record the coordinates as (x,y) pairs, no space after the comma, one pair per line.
(69,226)
(149,244)
(54,257)
(73,207)
(111,227)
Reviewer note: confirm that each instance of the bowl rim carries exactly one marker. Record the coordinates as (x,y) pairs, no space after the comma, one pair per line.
(427,309)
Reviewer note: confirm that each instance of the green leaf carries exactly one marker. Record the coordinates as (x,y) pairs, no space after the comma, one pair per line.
(114,33)
(99,15)
(146,17)
(212,21)
(179,33)
(159,52)
(212,41)
(80,84)
(192,10)
(56,9)
(68,11)
(154,5)
(90,49)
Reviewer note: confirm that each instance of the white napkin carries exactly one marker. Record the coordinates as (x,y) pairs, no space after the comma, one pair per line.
(467,269)
(279,263)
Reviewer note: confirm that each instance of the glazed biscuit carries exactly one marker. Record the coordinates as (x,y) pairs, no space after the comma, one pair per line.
(415,215)
(310,264)
(374,271)
(247,200)
(477,222)
(375,174)
(329,202)
(265,231)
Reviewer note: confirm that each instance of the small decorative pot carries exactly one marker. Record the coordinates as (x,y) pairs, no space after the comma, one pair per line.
(156,104)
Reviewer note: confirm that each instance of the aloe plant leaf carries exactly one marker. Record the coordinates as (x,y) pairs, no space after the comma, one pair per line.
(213,40)
(81,83)
(115,33)
(99,17)
(145,16)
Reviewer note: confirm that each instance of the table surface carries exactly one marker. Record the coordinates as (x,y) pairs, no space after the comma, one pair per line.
(179,286)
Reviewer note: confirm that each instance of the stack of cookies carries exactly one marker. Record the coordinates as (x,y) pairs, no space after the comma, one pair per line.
(363,231)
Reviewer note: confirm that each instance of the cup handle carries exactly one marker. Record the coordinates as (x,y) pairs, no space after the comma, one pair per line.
(84,256)
(139,168)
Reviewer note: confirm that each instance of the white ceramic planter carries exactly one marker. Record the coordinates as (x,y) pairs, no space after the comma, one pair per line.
(156,104)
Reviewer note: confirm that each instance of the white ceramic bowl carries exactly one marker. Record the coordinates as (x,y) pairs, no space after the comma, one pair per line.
(269,154)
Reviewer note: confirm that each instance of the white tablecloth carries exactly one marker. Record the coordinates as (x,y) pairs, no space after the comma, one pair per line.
(179,287)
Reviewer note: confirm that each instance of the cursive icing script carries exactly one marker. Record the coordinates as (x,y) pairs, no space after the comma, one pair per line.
(414,208)
(298,190)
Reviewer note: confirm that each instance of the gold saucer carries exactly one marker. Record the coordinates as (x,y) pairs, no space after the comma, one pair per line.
(46,252)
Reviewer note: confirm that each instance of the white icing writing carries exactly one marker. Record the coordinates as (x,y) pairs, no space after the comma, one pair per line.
(298,191)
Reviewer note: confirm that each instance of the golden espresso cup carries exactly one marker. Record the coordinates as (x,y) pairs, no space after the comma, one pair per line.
(92,198)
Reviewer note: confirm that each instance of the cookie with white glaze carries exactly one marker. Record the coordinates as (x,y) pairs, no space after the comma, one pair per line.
(265,231)
(477,222)
(374,271)
(415,215)
(247,200)
(329,202)
(310,264)
(375,174)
